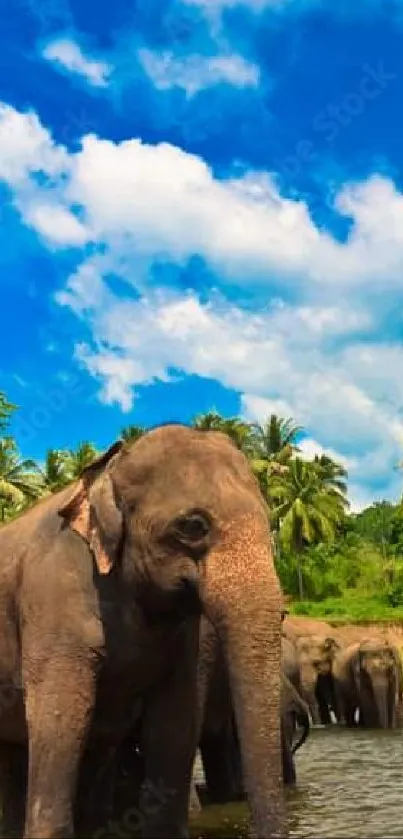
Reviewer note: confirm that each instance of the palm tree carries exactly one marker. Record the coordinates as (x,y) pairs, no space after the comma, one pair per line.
(273,447)
(275,439)
(331,474)
(57,470)
(211,420)
(132,432)
(20,480)
(80,458)
(305,508)
(6,410)
(237,429)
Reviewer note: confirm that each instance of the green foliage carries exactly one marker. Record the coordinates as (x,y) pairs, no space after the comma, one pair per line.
(6,410)
(131,433)
(20,480)
(351,608)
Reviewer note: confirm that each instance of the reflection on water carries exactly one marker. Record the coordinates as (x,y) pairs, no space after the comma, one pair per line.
(350,784)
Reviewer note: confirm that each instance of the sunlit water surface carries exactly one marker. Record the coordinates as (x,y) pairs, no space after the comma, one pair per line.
(349,784)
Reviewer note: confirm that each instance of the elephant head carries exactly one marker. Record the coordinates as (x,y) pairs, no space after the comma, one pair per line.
(179,516)
(377,673)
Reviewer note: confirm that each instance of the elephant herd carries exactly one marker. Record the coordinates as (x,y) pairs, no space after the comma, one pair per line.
(141,620)
(356,683)
(325,680)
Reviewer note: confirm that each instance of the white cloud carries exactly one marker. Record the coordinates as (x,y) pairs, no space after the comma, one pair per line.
(309,448)
(66,53)
(56,224)
(162,200)
(140,203)
(193,73)
(135,343)
(26,148)
(158,200)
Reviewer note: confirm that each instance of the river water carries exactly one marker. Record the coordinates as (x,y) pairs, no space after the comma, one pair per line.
(349,784)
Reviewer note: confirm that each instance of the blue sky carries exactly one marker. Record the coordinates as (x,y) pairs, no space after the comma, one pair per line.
(202,205)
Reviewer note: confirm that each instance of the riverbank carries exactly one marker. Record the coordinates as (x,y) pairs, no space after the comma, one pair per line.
(391,631)
(354,608)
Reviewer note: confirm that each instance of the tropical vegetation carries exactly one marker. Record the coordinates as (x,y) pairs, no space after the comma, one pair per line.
(332,563)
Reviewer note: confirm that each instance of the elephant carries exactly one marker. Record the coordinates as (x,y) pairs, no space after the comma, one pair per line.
(315,656)
(290,663)
(219,747)
(218,739)
(368,678)
(102,586)
(294,713)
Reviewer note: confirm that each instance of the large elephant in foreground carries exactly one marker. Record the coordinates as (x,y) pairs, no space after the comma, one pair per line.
(101,589)
(368,679)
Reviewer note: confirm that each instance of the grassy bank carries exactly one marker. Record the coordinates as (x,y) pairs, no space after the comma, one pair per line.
(349,609)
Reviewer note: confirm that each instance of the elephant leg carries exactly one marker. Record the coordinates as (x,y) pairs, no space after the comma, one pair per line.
(170,731)
(324,711)
(346,707)
(324,696)
(236,764)
(194,800)
(96,791)
(350,710)
(59,709)
(218,758)
(335,704)
(393,700)
(13,785)
(289,774)
(129,779)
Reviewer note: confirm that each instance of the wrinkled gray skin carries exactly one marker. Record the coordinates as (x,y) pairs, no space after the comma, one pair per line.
(315,656)
(368,679)
(101,587)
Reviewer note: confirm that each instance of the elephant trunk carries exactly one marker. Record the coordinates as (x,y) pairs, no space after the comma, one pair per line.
(381,689)
(243,601)
(304,723)
(309,679)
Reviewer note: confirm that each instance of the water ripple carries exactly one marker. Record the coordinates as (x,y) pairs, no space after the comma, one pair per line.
(350,786)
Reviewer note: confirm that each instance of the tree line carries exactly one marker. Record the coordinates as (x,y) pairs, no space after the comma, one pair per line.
(322,551)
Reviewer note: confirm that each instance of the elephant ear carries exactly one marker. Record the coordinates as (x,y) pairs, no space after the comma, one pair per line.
(93,513)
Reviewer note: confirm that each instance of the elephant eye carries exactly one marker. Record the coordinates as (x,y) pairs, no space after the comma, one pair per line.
(192,528)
